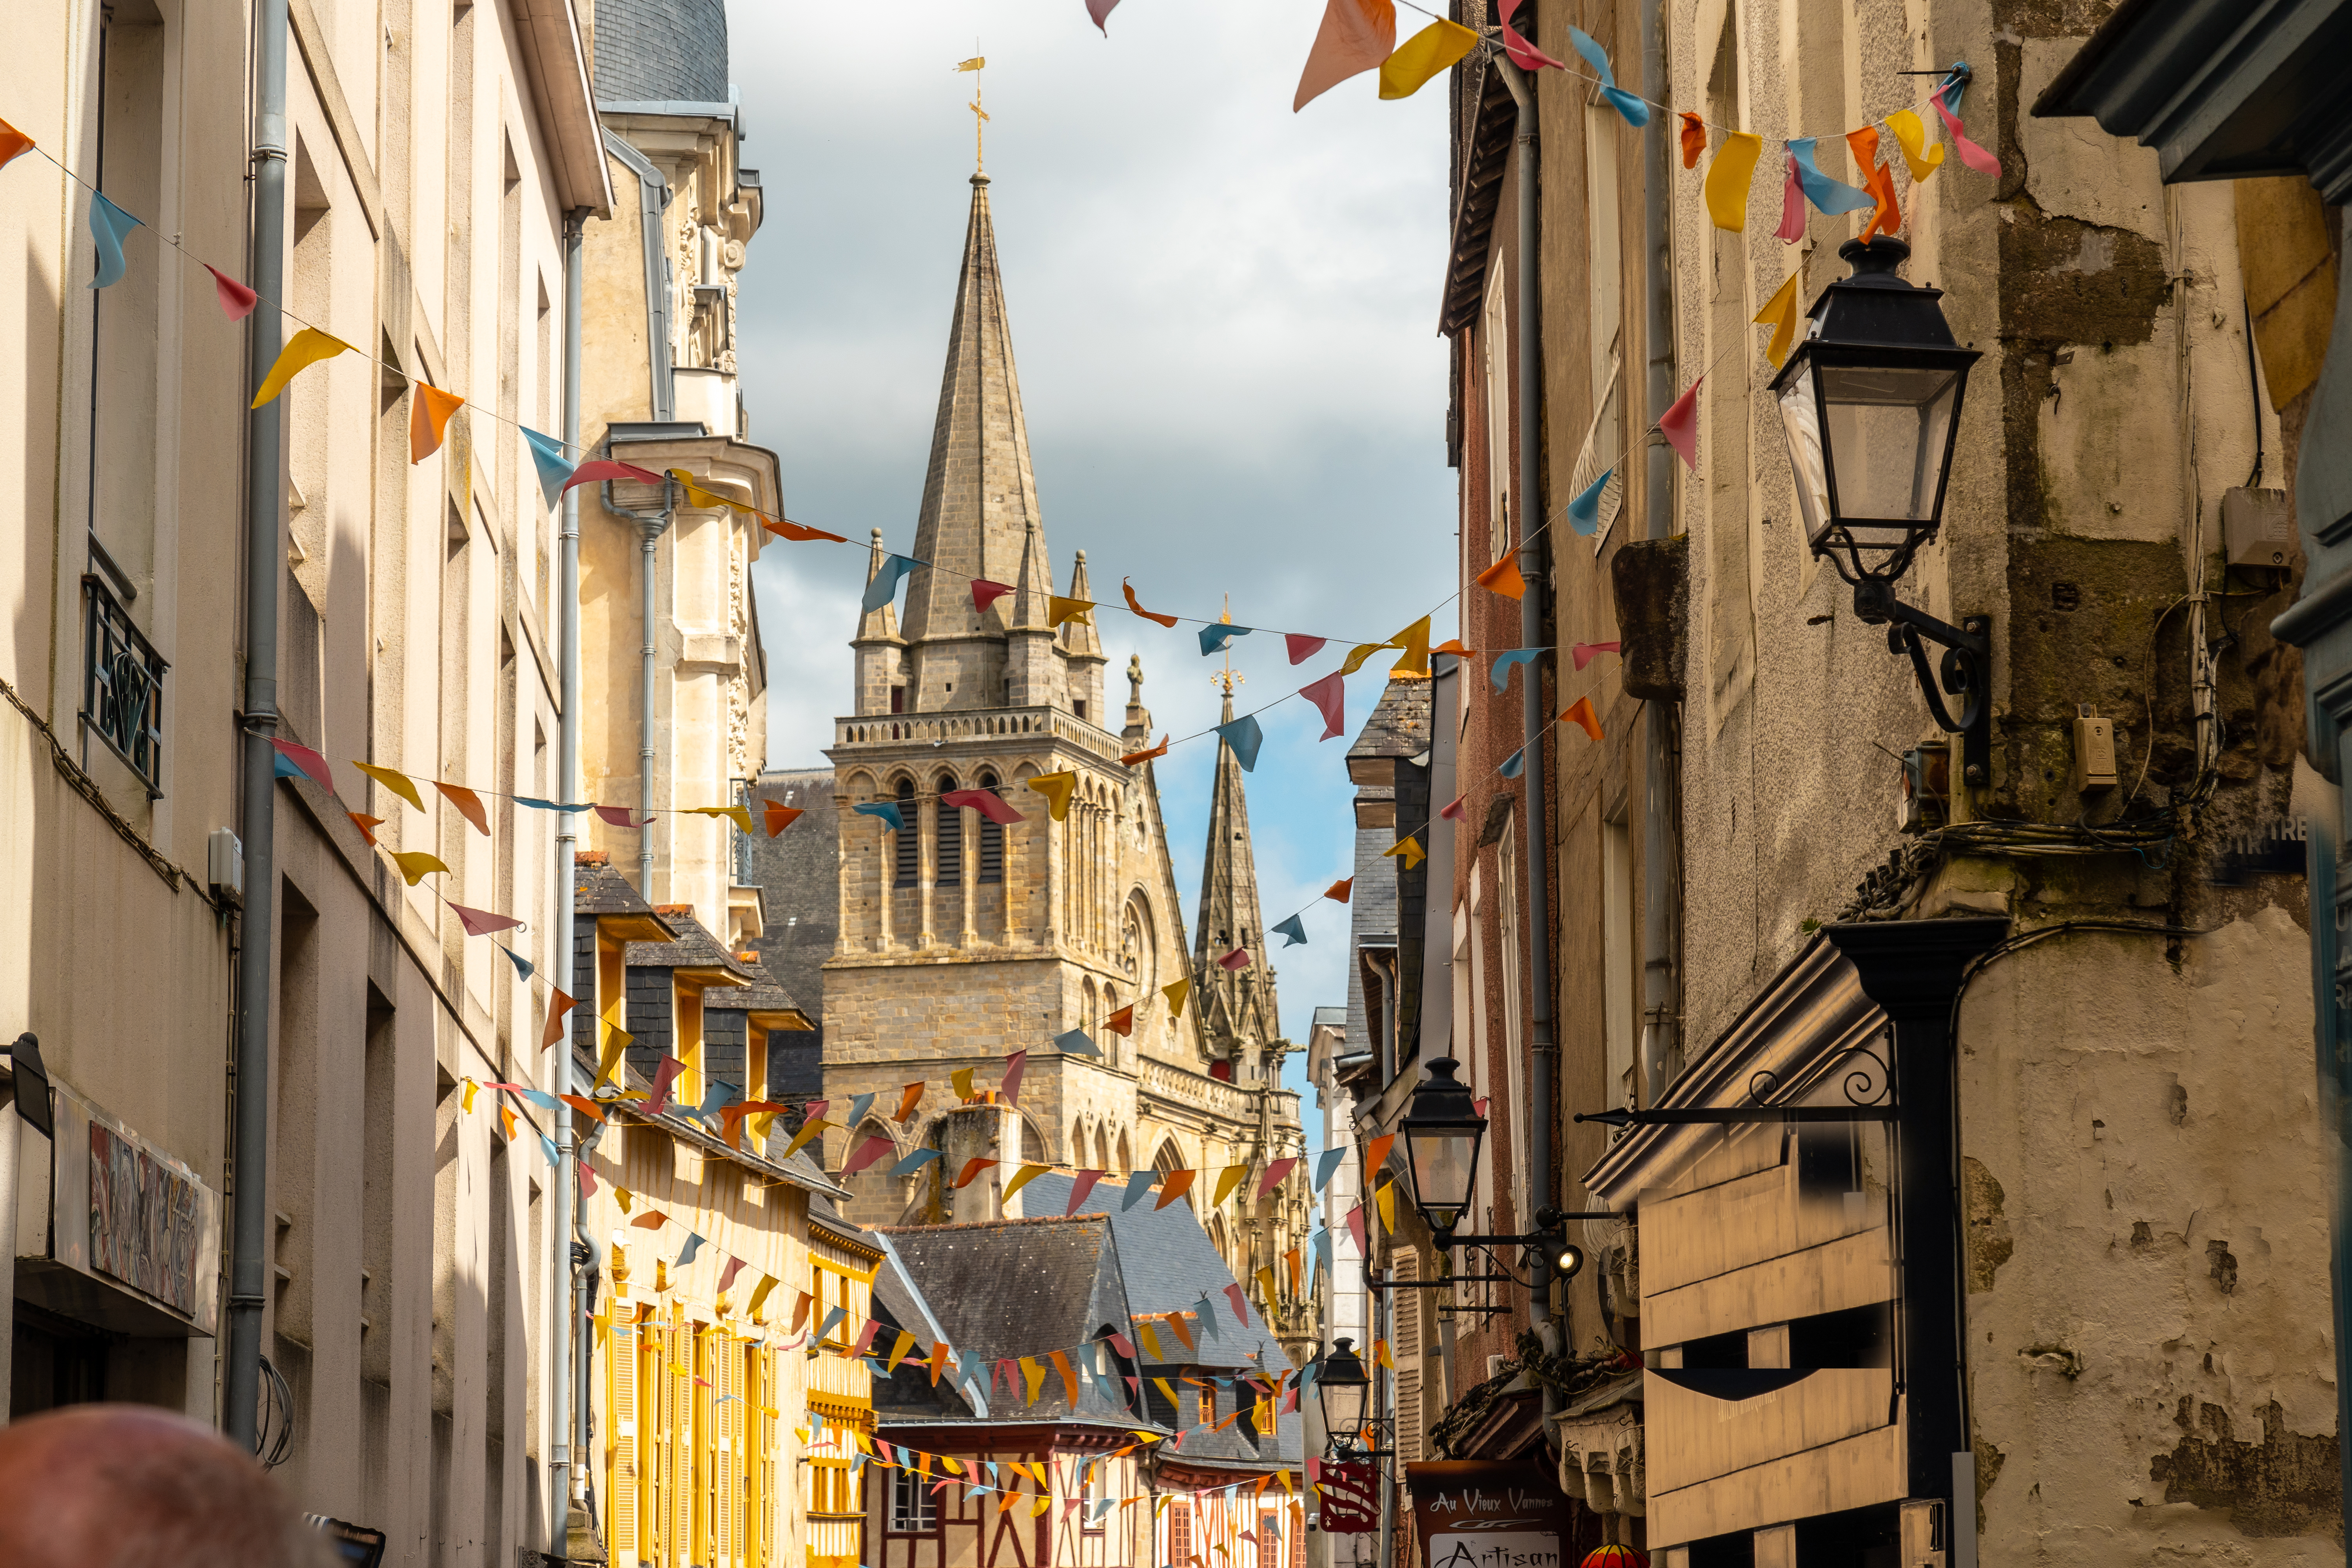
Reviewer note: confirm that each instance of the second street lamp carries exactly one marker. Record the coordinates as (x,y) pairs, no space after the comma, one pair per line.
(1344,1387)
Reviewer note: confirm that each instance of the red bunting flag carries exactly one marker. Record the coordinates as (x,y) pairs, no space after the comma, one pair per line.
(602,468)
(1121,1023)
(1237,959)
(236,301)
(1274,1172)
(781,816)
(1582,653)
(1241,1307)
(482,923)
(619,816)
(1080,1185)
(986,802)
(665,1074)
(985,593)
(1679,425)
(1302,647)
(873,1149)
(1010,1088)
(1792,207)
(1453,812)
(1329,697)
(314,767)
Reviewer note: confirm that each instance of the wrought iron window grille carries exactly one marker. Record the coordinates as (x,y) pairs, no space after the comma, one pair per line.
(122,685)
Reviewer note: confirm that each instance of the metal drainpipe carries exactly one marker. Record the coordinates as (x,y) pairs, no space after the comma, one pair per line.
(1532,724)
(568,1308)
(1384,1315)
(1660,1024)
(265,562)
(652,524)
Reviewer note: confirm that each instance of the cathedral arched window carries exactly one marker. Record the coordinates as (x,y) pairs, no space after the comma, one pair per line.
(909,850)
(950,829)
(991,841)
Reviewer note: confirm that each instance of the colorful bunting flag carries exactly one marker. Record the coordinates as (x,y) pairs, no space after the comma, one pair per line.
(1330,696)
(1408,847)
(961,1081)
(1339,891)
(547,457)
(1077,1043)
(1946,100)
(314,766)
(1629,105)
(1679,424)
(915,1161)
(1173,1186)
(603,470)
(1583,652)
(985,593)
(1694,138)
(741,815)
(1727,179)
(1325,1164)
(1831,196)
(1524,55)
(1227,1180)
(482,923)
(1122,1023)
(416,864)
(1176,992)
(469,805)
(1243,736)
(1878,179)
(986,802)
(1453,811)
(366,824)
(685,1253)
(873,1149)
(1292,931)
(972,1168)
(1503,578)
(1234,961)
(665,1072)
(883,585)
(1148,615)
(1021,1178)
(429,414)
(1793,205)
(1511,767)
(108,226)
(1301,648)
(1137,759)
(1013,1067)
(886,811)
(1439,46)
(1057,788)
(1080,1185)
(1580,713)
(1920,154)
(1356,37)
(1217,634)
(14,143)
(305,349)
(1584,510)
(1501,674)
(621,817)
(398,783)
(1241,1307)
(1060,611)
(1414,640)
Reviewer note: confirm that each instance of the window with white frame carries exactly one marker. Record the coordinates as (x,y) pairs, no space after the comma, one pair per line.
(914,1508)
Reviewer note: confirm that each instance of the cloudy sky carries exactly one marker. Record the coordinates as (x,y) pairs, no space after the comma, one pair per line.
(1223,316)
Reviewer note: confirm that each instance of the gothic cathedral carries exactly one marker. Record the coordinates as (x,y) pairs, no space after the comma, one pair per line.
(961,942)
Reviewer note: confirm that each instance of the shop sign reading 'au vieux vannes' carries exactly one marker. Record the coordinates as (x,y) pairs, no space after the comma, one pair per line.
(1472,1514)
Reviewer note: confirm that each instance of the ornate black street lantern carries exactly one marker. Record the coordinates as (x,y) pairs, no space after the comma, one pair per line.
(1345,1388)
(1870,403)
(1441,1133)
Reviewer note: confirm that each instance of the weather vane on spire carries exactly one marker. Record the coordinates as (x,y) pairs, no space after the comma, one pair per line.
(1227,678)
(977,64)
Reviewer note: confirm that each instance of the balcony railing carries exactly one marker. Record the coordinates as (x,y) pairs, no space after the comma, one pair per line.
(984,725)
(122,685)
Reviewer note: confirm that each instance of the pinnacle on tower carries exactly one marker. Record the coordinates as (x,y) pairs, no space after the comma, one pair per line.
(1237,1006)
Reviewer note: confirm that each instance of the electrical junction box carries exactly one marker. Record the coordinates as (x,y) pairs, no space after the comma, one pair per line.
(2094,752)
(225,866)
(2256,530)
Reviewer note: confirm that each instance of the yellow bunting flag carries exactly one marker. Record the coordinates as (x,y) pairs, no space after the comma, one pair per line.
(1727,179)
(697,496)
(1387,1199)
(1057,788)
(1780,314)
(305,349)
(908,1098)
(469,805)
(1038,1505)
(416,864)
(962,1079)
(905,1341)
(467,1098)
(1059,610)
(1033,1374)
(1414,640)
(507,1119)
(1503,578)
(1381,1355)
(1161,1384)
(1227,1180)
(1265,1278)
(615,1044)
(1173,1186)
(622,1197)
(1176,993)
(1021,1178)
(428,420)
(400,784)
(1923,156)
(1363,651)
(1150,1339)
(1291,1257)
(1408,847)
(810,1130)
(1438,46)
(741,814)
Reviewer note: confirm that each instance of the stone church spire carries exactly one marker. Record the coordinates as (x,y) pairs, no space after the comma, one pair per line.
(1237,1005)
(979,510)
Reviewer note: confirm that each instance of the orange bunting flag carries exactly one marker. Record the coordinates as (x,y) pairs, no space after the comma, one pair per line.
(1183,1329)
(1121,1023)
(1377,1151)
(507,1119)
(428,419)
(1138,609)
(1503,578)
(1136,759)
(1694,138)
(1878,179)
(1337,892)
(939,1361)
(1291,1257)
(14,143)
(1454,646)
(302,351)
(780,817)
(366,824)
(907,1100)
(1580,713)
(469,805)
(1174,1187)
(798,533)
(583,1105)
(1069,1374)
(1059,610)
(1356,37)
(558,1004)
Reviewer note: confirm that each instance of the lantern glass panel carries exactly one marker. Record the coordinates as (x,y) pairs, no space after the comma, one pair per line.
(1888,428)
(1445,1161)
(1343,1406)
(1800,420)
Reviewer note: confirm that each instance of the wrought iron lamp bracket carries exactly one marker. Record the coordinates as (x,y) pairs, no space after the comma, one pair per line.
(1964,671)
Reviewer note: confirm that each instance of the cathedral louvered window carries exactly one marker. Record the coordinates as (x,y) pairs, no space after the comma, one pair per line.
(991,841)
(950,836)
(909,847)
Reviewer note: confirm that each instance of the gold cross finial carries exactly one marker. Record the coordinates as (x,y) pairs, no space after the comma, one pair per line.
(1227,678)
(977,64)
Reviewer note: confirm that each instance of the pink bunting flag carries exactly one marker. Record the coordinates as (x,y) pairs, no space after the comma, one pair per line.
(1237,959)
(587,1181)
(236,301)
(482,923)
(1274,1172)
(1356,37)
(985,593)
(314,767)
(1792,207)
(1679,425)
(1524,55)
(1080,1185)
(1582,653)
(986,802)
(1330,696)
(727,1275)
(1974,157)
(1099,12)
(814,1110)
(618,816)
(1302,649)
(1241,1307)
(1356,1229)
(1123,1345)
(865,1340)
(665,1074)
(602,468)
(873,1149)
(1453,812)
(1014,1065)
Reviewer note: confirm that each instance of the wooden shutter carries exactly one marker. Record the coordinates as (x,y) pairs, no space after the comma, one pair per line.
(677,1457)
(624,1472)
(1405,1348)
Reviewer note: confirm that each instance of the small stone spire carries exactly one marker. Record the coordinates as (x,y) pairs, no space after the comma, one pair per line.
(1079,638)
(1237,1006)
(877,626)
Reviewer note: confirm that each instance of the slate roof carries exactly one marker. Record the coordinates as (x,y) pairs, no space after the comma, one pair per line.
(1003,1288)
(800,1170)
(598,889)
(694,948)
(1169,1266)
(766,994)
(1397,728)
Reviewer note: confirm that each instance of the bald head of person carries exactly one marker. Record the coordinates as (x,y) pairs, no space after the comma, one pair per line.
(111,1486)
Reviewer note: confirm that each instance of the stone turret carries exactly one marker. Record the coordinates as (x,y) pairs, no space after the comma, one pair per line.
(881,651)
(1081,653)
(1238,1013)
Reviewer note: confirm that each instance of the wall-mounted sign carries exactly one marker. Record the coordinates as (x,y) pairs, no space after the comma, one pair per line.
(1472,1513)
(1351,1498)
